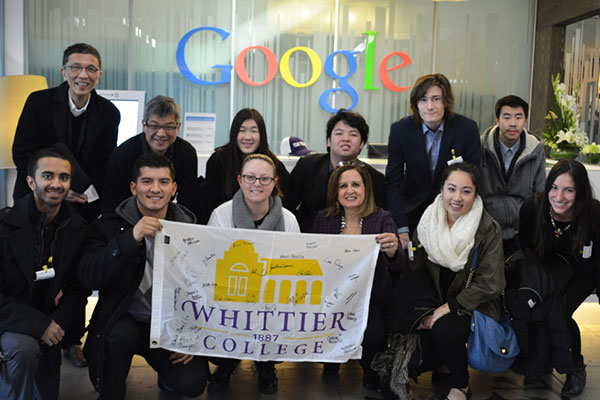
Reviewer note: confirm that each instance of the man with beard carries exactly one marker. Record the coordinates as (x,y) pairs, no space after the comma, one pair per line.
(40,242)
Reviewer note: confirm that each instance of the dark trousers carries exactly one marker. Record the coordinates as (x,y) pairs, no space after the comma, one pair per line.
(375,337)
(129,337)
(450,333)
(28,370)
(577,290)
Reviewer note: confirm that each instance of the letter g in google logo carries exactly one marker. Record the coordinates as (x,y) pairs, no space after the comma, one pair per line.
(286,74)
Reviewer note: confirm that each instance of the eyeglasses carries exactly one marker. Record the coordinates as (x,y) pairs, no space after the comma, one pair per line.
(354,163)
(153,128)
(264,180)
(76,69)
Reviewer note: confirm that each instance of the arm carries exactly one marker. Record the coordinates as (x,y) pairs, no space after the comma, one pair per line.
(213,187)
(116,185)
(296,184)
(284,179)
(106,144)
(108,261)
(26,140)
(187,177)
(394,176)
(472,150)
(527,216)
(74,296)
(395,258)
(16,316)
(488,279)
(540,176)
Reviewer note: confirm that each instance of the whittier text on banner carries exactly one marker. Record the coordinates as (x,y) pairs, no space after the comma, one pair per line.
(261,295)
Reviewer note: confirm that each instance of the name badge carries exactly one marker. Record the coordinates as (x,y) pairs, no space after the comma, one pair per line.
(587,250)
(454,160)
(43,274)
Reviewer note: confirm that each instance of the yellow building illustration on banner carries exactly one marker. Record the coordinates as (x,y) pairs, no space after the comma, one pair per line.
(241,276)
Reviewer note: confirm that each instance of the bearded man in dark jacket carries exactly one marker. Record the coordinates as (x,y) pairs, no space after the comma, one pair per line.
(117,261)
(40,243)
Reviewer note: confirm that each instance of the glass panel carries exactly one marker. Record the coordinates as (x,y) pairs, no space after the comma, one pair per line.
(582,53)
(280,26)
(56,24)
(484,48)
(142,55)
(403,26)
(157,30)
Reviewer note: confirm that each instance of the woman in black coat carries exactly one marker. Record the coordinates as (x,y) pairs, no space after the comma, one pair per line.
(557,232)
(248,135)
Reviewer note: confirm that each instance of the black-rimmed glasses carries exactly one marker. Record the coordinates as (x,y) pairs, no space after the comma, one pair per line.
(76,69)
(264,180)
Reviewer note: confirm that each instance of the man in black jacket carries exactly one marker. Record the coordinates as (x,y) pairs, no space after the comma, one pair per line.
(73,117)
(162,120)
(40,244)
(118,261)
(347,134)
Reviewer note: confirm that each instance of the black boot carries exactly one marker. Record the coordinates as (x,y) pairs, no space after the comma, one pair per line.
(219,381)
(267,378)
(575,382)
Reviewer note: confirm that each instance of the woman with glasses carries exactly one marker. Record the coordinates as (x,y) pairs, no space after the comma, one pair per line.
(352,211)
(255,205)
(248,135)
(558,230)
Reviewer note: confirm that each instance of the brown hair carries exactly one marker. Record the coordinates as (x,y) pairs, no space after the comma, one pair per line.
(267,159)
(421,87)
(368,207)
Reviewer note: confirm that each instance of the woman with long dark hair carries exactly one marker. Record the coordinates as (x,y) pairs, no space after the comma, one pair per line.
(248,135)
(557,232)
(455,231)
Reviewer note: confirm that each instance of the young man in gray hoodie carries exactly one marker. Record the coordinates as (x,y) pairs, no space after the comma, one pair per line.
(118,261)
(513,167)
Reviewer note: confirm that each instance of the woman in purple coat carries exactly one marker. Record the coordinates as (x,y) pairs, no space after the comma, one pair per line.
(352,211)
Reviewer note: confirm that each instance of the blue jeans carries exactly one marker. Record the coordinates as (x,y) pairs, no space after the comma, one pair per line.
(28,369)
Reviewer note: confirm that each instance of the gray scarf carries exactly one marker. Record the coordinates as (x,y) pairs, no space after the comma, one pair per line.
(242,218)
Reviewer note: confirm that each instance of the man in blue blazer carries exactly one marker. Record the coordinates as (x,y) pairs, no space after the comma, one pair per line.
(421,146)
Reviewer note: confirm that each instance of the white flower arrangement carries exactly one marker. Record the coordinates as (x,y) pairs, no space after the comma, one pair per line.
(562,131)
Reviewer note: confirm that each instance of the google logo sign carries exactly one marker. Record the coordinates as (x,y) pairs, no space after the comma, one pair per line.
(317,67)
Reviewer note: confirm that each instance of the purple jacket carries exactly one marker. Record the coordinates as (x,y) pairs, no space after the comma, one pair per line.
(378,222)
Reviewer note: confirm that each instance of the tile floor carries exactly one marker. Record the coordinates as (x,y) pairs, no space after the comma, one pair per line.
(304,381)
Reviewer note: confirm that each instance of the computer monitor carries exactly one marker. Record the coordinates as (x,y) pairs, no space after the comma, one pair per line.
(131,106)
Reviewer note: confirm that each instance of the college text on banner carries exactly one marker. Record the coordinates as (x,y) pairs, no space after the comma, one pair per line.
(261,295)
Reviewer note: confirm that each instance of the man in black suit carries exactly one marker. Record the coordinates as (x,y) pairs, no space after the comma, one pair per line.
(347,134)
(162,120)
(80,123)
(75,119)
(421,146)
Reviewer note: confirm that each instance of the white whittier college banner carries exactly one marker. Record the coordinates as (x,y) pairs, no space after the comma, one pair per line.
(261,295)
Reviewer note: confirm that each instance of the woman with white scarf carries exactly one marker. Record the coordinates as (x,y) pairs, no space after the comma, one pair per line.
(256,205)
(444,242)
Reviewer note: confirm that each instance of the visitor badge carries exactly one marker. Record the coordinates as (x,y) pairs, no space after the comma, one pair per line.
(455,160)
(44,273)
(587,250)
